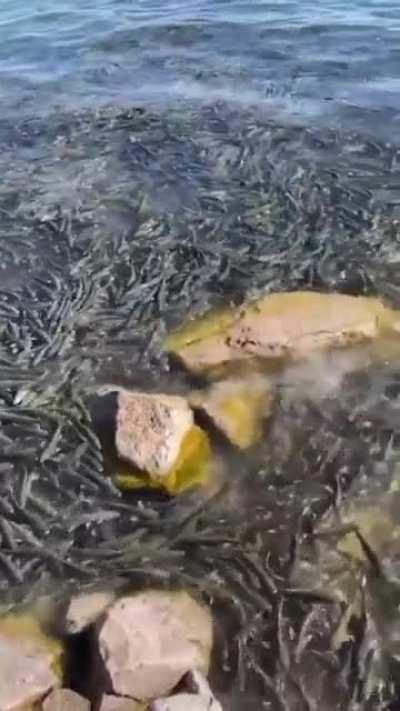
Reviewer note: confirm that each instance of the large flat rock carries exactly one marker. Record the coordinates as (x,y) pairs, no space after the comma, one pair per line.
(281,327)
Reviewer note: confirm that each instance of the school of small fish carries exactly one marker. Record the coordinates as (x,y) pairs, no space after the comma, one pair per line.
(142,220)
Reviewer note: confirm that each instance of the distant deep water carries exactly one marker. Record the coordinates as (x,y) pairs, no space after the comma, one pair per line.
(334,61)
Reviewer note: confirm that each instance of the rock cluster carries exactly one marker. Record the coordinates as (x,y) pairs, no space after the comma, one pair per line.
(145,646)
(160,446)
(156,435)
(150,650)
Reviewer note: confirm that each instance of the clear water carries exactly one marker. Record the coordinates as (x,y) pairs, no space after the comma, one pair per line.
(158,158)
(333,61)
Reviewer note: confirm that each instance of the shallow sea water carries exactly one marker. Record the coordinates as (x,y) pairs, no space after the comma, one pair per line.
(158,159)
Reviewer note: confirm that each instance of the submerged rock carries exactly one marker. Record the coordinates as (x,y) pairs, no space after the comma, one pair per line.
(65,700)
(157,436)
(84,609)
(149,641)
(30,662)
(281,327)
(237,408)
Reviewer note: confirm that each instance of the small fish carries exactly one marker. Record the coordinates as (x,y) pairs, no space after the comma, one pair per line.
(52,447)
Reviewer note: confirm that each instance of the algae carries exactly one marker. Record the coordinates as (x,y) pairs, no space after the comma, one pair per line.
(192,468)
(209,324)
(239,408)
(24,628)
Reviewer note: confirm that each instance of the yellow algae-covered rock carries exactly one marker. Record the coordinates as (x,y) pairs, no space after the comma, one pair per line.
(210,354)
(299,322)
(281,327)
(201,343)
(209,324)
(157,436)
(237,408)
(30,662)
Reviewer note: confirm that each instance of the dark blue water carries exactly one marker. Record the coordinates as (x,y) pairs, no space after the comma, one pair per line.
(333,61)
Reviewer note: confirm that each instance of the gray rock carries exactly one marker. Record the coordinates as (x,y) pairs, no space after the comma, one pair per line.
(149,641)
(65,700)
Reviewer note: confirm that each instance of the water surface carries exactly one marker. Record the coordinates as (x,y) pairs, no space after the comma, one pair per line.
(332,61)
(158,158)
